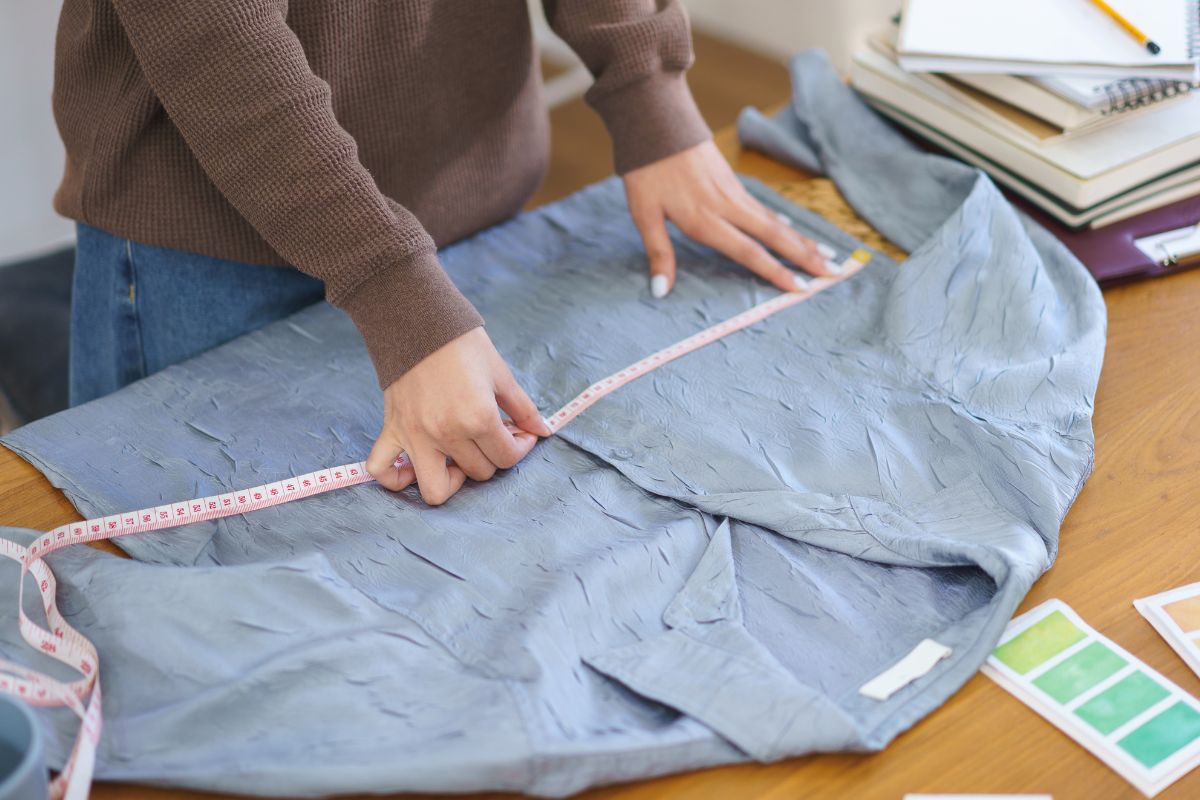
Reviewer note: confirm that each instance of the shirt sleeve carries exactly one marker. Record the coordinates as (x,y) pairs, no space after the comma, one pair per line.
(638,51)
(234,80)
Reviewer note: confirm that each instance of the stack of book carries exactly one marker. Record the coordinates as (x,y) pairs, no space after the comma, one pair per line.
(1061,105)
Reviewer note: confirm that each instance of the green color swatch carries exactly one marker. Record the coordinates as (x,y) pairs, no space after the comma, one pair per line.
(1074,676)
(1038,642)
(1163,735)
(1121,702)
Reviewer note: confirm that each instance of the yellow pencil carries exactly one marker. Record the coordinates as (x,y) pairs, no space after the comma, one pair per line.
(1128,27)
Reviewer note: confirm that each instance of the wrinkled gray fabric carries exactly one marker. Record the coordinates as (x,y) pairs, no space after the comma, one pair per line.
(701,569)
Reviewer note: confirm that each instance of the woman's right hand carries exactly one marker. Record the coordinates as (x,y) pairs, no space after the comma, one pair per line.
(447,408)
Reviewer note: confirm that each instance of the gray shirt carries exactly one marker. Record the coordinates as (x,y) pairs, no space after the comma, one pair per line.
(703,568)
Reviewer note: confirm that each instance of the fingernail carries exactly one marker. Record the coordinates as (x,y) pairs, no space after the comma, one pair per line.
(801,282)
(825,250)
(658,287)
(833,266)
(784,218)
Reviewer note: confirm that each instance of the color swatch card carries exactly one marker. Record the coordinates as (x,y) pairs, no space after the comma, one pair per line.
(1129,716)
(1176,615)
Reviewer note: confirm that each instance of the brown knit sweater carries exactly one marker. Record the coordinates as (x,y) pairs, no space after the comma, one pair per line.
(345,137)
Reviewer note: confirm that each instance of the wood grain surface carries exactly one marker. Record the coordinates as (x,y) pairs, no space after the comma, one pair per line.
(1134,531)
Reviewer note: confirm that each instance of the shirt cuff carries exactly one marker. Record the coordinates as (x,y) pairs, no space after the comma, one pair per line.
(407,312)
(651,119)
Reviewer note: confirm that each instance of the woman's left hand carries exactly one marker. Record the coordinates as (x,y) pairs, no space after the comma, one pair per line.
(697,190)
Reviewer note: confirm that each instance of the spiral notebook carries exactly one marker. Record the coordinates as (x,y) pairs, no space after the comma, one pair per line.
(1072,102)
(1112,96)
(1043,108)
(1049,37)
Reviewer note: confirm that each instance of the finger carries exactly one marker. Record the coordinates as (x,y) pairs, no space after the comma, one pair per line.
(726,239)
(470,459)
(505,448)
(437,480)
(513,401)
(381,462)
(769,228)
(457,479)
(657,241)
(826,252)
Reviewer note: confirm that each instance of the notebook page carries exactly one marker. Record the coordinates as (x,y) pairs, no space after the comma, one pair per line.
(1046,31)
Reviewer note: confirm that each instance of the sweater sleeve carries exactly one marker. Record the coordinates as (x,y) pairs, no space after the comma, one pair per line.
(638,52)
(234,80)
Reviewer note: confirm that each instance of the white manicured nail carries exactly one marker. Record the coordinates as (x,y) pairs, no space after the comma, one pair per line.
(784,218)
(825,250)
(658,287)
(833,266)
(800,281)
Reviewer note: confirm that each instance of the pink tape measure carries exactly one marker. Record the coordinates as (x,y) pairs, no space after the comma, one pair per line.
(62,642)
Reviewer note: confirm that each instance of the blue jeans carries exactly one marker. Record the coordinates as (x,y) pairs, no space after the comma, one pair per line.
(136,308)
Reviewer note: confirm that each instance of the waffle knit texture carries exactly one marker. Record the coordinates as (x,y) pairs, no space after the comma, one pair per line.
(345,139)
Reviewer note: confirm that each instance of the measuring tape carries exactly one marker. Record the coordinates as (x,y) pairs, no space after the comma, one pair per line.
(60,641)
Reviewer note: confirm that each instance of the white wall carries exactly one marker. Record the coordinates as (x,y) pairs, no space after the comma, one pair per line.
(31,156)
(781,28)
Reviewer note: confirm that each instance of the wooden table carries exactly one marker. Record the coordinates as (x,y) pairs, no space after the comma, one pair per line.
(1134,531)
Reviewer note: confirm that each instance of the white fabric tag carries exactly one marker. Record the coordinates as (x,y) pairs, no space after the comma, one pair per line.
(917,663)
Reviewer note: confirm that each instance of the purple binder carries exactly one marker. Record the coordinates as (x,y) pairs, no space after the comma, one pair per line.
(1109,253)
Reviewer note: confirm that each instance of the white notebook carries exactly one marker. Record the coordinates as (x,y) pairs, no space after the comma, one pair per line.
(1111,94)
(1031,107)
(1048,37)
(1072,102)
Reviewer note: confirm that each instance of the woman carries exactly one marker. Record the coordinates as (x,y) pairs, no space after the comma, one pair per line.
(211,141)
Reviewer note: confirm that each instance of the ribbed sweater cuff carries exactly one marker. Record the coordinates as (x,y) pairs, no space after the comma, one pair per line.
(406,312)
(651,119)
